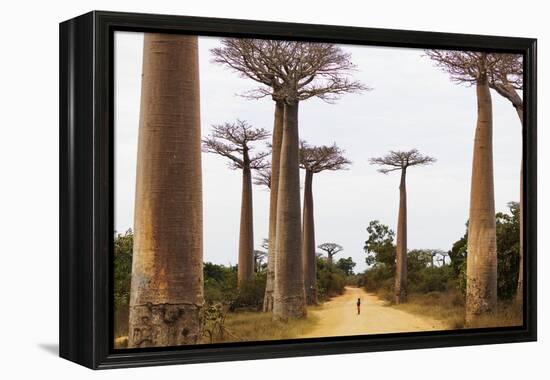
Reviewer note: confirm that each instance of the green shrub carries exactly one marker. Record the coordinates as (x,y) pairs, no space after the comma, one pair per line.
(331,280)
(220,286)
(432,279)
(251,295)
(378,277)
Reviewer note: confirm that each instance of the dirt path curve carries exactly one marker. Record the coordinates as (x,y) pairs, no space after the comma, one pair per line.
(339,317)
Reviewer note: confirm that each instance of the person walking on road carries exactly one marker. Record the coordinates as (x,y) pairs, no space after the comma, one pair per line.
(358,306)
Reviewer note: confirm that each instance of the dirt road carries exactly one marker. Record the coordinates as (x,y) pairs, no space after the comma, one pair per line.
(339,317)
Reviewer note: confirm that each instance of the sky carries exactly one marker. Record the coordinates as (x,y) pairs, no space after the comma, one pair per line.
(412,104)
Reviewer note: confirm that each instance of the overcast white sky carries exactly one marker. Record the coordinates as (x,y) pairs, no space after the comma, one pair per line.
(412,105)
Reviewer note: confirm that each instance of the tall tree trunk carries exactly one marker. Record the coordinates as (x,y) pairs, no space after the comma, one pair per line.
(246,237)
(289,292)
(481,288)
(275,162)
(308,242)
(401,250)
(167,279)
(510,93)
(329,259)
(519,290)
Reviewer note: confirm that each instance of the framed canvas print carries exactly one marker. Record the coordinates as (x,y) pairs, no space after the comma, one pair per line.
(235,189)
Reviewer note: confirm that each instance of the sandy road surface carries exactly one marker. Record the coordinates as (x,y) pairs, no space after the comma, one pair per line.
(339,317)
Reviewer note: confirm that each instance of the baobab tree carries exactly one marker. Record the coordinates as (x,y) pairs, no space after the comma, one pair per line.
(288,72)
(234,142)
(166,294)
(331,249)
(400,160)
(475,68)
(506,78)
(314,159)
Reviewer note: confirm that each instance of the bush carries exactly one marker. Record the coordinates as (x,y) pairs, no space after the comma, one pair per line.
(220,286)
(251,294)
(432,279)
(377,278)
(380,279)
(331,280)
(220,283)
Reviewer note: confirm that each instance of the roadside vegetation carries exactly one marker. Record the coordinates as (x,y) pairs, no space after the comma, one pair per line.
(233,313)
(437,278)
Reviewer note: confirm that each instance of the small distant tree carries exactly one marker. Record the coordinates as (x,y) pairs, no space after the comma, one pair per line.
(401,160)
(234,142)
(441,257)
(331,250)
(346,265)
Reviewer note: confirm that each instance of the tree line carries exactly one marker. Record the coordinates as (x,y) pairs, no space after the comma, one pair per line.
(436,270)
(167,283)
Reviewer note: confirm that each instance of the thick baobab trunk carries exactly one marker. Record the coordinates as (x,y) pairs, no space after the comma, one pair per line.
(289,292)
(401,249)
(308,242)
(275,155)
(246,237)
(481,288)
(167,281)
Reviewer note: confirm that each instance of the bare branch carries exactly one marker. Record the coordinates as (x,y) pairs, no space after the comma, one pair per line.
(290,70)
(263,177)
(473,67)
(320,158)
(331,248)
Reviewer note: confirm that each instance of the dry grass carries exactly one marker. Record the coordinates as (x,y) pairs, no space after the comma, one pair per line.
(507,314)
(257,326)
(254,326)
(445,307)
(449,308)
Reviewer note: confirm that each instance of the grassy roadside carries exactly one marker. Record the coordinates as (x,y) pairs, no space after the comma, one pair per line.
(249,326)
(448,307)
(257,326)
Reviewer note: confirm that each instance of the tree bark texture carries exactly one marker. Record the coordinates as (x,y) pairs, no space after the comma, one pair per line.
(246,236)
(519,291)
(277,138)
(481,288)
(401,249)
(510,93)
(308,242)
(289,292)
(167,278)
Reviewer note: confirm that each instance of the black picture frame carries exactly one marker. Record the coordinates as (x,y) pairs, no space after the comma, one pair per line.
(86,189)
